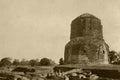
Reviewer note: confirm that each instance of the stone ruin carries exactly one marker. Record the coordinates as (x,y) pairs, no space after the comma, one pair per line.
(86,45)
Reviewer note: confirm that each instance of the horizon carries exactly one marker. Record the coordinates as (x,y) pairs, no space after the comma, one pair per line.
(40,28)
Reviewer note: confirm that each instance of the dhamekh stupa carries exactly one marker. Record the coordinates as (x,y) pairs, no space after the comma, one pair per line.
(86,45)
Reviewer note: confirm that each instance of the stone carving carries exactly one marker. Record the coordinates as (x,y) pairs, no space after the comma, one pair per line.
(86,45)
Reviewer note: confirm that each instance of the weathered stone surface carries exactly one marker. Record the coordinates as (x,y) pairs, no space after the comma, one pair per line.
(86,45)
(86,25)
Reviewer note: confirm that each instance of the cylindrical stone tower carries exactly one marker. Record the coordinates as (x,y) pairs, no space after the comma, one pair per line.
(86,45)
(86,25)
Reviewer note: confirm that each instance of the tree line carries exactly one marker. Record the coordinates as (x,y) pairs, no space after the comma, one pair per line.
(7,61)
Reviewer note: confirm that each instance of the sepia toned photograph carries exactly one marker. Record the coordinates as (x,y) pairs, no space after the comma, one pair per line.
(59,39)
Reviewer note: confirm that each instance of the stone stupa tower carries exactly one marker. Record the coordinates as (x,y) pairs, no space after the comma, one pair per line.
(86,45)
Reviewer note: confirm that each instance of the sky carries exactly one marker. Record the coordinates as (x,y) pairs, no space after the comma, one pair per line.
(41,28)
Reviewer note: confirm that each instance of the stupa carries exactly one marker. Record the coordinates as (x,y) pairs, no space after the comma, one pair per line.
(86,45)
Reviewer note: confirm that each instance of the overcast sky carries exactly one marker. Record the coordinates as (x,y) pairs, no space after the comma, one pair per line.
(41,28)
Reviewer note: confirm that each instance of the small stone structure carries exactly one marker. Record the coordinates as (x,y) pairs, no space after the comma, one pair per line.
(86,45)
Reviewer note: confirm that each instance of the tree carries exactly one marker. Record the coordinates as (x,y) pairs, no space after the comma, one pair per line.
(112,56)
(5,61)
(45,62)
(16,62)
(33,62)
(61,61)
